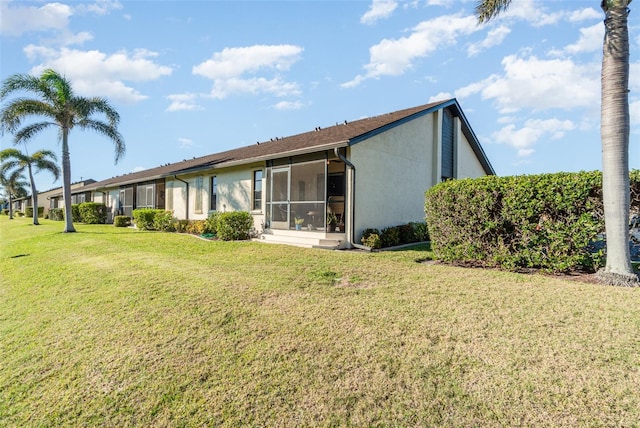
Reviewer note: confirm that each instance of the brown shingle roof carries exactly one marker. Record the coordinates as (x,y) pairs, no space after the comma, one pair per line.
(319,139)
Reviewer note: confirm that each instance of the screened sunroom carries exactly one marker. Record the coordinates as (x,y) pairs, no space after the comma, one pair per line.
(306,193)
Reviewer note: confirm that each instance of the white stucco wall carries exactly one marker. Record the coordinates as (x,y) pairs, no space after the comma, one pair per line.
(234,193)
(468,165)
(393,170)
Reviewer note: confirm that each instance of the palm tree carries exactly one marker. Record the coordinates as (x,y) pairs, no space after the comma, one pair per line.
(14,186)
(614,132)
(61,108)
(42,160)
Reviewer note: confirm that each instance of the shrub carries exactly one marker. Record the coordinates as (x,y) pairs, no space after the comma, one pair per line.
(28,212)
(390,236)
(122,221)
(5,211)
(56,214)
(75,213)
(196,227)
(420,231)
(93,213)
(164,221)
(542,221)
(372,241)
(212,223)
(144,218)
(234,225)
(181,226)
(18,213)
(371,238)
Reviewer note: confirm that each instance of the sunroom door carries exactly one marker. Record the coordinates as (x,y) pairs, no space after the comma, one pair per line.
(280,198)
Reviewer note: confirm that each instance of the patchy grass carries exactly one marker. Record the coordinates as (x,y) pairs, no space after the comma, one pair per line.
(117,327)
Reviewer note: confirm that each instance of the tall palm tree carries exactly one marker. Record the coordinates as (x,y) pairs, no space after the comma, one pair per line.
(42,160)
(14,186)
(61,108)
(614,132)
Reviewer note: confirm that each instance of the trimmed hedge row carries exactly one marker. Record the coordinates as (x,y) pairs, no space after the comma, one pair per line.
(547,221)
(28,211)
(395,235)
(86,212)
(229,226)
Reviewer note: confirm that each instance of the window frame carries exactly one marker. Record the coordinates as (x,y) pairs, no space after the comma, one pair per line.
(254,190)
(213,199)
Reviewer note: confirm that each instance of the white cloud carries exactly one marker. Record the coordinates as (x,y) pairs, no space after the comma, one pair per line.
(539,84)
(18,19)
(96,73)
(533,12)
(525,138)
(228,68)
(99,7)
(379,9)
(590,40)
(185,143)
(183,102)
(585,14)
(233,62)
(392,57)
(440,97)
(494,37)
(289,105)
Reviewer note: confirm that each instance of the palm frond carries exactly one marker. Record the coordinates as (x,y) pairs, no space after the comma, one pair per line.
(108,131)
(28,132)
(486,10)
(13,114)
(88,106)
(60,85)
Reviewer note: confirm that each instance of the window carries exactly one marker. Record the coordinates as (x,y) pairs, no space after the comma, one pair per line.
(257,190)
(169,196)
(199,189)
(144,195)
(214,193)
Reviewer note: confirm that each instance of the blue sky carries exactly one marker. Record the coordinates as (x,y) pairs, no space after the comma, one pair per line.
(191,78)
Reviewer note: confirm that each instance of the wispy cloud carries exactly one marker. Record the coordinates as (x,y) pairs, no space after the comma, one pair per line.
(243,70)
(379,9)
(393,57)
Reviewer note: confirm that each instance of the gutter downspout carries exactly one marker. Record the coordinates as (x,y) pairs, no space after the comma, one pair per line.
(352,202)
(187,184)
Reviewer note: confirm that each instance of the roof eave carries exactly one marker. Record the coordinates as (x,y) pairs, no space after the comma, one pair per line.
(263,158)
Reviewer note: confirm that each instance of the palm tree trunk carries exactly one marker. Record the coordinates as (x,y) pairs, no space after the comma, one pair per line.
(66,182)
(34,196)
(10,207)
(615,146)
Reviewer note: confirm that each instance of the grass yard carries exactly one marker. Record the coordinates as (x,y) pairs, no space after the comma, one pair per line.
(117,327)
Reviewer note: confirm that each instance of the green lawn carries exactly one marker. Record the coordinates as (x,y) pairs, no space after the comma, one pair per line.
(117,327)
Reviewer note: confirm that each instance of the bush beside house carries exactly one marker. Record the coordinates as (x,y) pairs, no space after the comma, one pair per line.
(547,221)
(28,211)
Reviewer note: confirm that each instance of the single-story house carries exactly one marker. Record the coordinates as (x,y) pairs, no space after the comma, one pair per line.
(368,173)
(52,198)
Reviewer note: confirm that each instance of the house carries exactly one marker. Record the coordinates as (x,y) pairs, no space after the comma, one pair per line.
(369,173)
(52,198)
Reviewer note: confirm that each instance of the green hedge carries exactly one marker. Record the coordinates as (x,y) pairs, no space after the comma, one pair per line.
(56,214)
(233,226)
(395,235)
(164,221)
(546,221)
(144,218)
(28,211)
(92,213)
(122,221)
(76,217)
